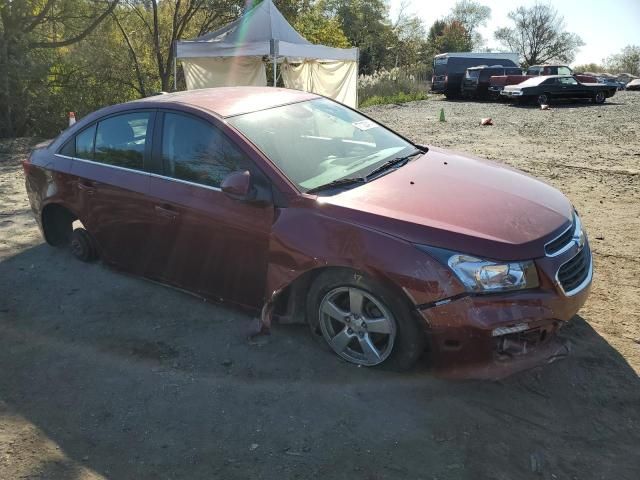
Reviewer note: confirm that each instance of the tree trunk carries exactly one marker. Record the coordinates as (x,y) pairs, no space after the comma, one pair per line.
(6,126)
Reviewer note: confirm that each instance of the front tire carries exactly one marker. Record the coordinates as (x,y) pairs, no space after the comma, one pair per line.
(82,245)
(362,322)
(599,98)
(544,99)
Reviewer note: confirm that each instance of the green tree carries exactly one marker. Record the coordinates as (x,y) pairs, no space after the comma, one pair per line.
(316,25)
(539,35)
(366,24)
(448,36)
(31,34)
(159,24)
(471,15)
(627,61)
(410,44)
(589,67)
(454,38)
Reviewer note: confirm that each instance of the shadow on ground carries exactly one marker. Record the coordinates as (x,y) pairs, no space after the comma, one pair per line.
(126,379)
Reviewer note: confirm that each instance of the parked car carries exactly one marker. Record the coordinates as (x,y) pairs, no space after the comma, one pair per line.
(612,82)
(283,201)
(633,85)
(545,90)
(476,79)
(498,82)
(449,68)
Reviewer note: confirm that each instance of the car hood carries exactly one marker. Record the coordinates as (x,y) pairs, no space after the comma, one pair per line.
(458,202)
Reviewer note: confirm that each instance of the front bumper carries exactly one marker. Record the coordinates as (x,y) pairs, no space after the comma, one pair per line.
(511,93)
(493,336)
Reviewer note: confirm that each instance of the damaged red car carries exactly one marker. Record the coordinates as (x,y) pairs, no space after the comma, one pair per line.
(295,206)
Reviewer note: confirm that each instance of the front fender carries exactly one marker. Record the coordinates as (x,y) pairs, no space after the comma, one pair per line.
(304,240)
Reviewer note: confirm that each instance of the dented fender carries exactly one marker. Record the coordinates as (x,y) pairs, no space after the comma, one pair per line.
(305,240)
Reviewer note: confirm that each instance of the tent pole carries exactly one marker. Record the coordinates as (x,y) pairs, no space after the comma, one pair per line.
(175,74)
(275,67)
(175,67)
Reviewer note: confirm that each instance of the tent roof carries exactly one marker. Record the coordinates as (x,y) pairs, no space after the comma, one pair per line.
(263,30)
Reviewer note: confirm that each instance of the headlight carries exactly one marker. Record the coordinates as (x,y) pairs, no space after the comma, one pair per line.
(486,276)
(480,275)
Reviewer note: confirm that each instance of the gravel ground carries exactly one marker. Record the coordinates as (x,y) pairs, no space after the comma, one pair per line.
(108,376)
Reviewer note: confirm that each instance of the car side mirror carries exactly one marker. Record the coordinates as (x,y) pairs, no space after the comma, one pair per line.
(237,185)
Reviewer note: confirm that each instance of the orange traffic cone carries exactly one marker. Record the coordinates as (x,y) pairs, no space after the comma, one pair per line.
(72,118)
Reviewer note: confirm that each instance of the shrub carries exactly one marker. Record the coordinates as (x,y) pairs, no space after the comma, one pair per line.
(400,97)
(391,86)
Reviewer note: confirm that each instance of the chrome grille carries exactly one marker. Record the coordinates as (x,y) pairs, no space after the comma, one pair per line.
(576,271)
(556,245)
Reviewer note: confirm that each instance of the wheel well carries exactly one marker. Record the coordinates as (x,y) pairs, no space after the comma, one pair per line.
(57,224)
(290,305)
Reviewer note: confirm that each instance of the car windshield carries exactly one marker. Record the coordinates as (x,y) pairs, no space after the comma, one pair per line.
(319,141)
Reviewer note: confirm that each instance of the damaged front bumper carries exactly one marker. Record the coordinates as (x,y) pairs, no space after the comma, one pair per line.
(494,336)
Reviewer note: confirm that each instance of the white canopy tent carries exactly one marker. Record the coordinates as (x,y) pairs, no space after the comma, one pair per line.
(233,56)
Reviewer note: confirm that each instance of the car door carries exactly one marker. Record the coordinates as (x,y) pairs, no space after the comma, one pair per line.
(208,243)
(571,88)
(552,88)
(109,165)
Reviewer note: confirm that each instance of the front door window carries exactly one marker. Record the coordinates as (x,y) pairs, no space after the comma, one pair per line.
(194,151)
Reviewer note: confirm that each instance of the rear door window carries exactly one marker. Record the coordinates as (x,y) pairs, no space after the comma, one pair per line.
(121,140)
(195,151)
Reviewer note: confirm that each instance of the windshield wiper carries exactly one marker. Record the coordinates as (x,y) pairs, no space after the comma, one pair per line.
(399,161)
(337,183)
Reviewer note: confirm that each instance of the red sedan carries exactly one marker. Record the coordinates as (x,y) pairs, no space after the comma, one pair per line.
(288,203)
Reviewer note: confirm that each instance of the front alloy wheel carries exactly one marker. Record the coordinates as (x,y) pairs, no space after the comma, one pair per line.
(357,325)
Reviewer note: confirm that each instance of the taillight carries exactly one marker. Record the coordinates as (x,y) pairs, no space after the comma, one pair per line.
(446,78)
(27,166)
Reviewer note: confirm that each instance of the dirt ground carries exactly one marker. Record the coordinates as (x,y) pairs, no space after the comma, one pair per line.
(107,376)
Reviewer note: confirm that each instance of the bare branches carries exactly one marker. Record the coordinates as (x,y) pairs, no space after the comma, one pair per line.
(70,41)
(134,57)
(39,18)
(538,35)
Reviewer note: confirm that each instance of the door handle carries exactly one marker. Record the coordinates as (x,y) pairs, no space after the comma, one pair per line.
(87,187)
(167,212)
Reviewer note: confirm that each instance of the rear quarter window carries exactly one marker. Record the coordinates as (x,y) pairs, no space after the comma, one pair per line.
(81,146)
(84,143)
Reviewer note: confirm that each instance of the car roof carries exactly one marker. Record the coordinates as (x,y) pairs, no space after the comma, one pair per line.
(483,67)
(538,80)
(231,101)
